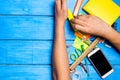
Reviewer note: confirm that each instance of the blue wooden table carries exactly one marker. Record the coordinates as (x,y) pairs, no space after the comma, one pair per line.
(26,41)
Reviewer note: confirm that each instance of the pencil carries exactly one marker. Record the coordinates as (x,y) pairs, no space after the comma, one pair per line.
(92,45)
(77,7)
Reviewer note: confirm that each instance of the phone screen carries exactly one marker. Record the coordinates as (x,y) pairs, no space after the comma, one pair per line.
(100,62)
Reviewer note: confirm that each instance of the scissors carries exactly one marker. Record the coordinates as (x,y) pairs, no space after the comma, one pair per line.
(74,56)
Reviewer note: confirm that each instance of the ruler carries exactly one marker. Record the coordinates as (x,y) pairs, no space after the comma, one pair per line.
(92,45)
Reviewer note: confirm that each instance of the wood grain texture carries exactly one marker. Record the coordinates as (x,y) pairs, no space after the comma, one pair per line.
(43,72)
(26,41)
(40,52)
(31,7)
(33,27)
(30,27)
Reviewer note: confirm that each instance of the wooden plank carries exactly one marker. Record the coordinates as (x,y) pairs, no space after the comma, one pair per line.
(30,27)
(25,52)
(40,52)
(26,41)
(25,72)
(43,72)
(95,76)
(31,7)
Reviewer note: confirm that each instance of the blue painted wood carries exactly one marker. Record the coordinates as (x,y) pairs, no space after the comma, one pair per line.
(26,39)
(30,27)
(25,52)
(40,52)
(117,25)
(43,72)
(25,72)
(94,75)
(117,2)
(31,7)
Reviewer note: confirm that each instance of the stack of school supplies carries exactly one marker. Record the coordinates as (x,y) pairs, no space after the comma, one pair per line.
(107,10)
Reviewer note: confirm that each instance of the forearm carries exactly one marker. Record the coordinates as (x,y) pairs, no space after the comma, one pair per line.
(60,57)
(113,37)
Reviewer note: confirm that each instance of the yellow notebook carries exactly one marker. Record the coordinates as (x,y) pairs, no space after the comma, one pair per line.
(107,10)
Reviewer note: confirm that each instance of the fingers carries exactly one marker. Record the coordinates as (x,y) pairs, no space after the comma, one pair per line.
(61,4)
(64,4)
(78,21)
(78,27)
(58,4)
(83,17)
(81,20)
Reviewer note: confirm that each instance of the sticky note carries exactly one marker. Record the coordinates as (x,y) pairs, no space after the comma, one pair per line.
(107,10)
(78,42)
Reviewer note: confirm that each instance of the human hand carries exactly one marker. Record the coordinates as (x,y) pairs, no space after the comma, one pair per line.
(91,25)
(60,10)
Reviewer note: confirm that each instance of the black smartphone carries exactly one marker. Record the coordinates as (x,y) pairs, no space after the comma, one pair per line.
(100,63)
